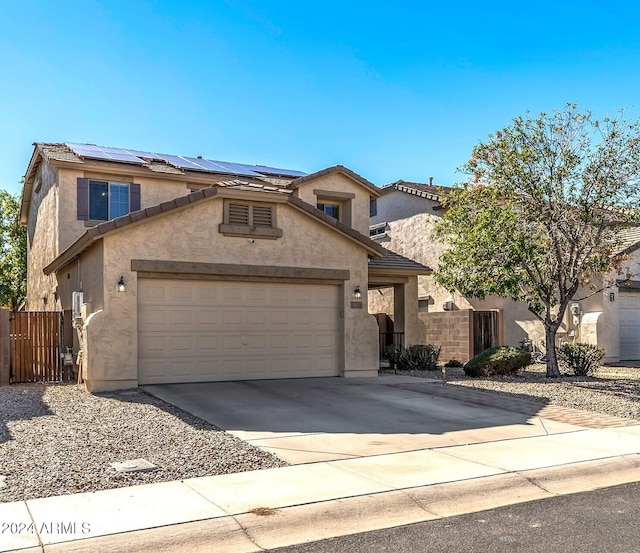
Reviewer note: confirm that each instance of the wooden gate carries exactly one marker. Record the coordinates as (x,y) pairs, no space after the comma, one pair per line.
(35,346)
(485,330)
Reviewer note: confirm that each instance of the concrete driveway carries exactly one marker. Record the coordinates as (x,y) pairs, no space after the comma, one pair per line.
(326,419)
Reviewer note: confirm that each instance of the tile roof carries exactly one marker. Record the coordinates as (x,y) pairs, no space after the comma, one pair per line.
(431,192)
(396,262)
(160,163)
(54,151)
(101,229)
(252,186)
(337,169)
(629,239)
(332,222)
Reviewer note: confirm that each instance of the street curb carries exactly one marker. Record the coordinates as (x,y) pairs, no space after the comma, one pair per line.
(249,532)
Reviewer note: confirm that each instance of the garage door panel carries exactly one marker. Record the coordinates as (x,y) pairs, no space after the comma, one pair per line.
(181,318)
(629,316)
(231,343)
(210,331)
(153,316)
(181,345)
(256,318)
(279,318)
(207,317)
(278,296)
(232,318)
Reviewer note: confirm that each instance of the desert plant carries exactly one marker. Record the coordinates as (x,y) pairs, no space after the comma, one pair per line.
(393,354)
(503,360)
(453,363)
(419,358)
(580,359)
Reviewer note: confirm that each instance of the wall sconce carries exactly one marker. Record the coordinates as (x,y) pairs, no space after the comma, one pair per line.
(357,294)
(612,296)
(122,287)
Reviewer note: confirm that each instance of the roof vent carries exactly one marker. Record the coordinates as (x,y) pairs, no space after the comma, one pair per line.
(430,181)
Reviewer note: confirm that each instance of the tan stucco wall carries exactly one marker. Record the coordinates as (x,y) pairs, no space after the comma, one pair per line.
(42,236)
(192,235)
(396,205)
(340,183)
(85,274)
(153,190)
(412,237)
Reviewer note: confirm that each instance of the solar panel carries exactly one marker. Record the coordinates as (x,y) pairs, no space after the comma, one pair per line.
(75,146)
(146,155)
(182,162)
(265,170)
(97,152)
(207,165)
(225,167)
(126,157)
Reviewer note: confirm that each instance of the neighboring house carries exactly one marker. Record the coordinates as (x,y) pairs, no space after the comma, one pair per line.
(187,270)
(402,221)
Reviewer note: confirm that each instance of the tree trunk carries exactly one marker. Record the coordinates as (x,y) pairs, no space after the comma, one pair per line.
(552,358)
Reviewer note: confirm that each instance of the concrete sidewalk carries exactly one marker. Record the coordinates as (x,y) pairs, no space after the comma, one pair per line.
(258,510)
(352,489)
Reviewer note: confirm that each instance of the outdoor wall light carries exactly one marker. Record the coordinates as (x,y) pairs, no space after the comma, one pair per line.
(357,294)
(122,287)
(612,296)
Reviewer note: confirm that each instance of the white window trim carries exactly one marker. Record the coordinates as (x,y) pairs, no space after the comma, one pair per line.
(376,228)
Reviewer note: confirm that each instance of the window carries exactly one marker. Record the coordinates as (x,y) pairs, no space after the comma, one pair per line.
(249,219)
(423,304)
(378,230)
(373,207)
(333,210)
(102,200)
(107,200)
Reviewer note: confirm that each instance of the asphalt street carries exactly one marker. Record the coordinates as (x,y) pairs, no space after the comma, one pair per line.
(590,522)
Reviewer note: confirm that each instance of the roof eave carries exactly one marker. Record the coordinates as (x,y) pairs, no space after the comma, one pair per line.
(372,247)
(381,271)
(27,187)
(372,188)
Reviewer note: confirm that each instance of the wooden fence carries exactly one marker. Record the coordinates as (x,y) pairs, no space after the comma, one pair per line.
(35,338)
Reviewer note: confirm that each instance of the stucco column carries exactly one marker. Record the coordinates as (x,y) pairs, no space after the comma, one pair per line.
(5,345)
(398,308)
(405,312)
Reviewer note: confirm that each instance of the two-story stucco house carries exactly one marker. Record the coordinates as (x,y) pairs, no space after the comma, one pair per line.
(403,222)
(186,269)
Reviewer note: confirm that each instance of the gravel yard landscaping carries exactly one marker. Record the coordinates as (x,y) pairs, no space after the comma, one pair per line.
(613,390)
(56,439)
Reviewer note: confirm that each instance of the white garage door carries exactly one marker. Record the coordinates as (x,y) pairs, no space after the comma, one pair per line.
(197,331)
(629,325)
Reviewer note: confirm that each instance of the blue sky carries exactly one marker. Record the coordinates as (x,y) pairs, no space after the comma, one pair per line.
(393,90)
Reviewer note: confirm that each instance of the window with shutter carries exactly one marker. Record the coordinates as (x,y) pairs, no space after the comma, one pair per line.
(105,200)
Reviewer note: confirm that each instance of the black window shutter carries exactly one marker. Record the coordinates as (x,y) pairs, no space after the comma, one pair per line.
(134,197)
(83,199)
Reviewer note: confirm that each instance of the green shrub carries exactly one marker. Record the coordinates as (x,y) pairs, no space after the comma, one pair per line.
(453,363)
(503,360)
(419,358)
(580,359)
